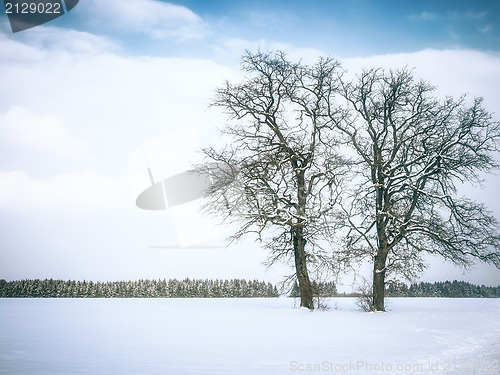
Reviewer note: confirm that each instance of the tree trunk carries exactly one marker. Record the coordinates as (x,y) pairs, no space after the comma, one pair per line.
(379,281)
(306,297)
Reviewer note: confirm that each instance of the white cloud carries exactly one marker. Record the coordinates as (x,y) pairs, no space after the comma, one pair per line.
(14,51)
(451,15)
(36,43)
(467,15)
(454,72)
(424,16)
(233,49)
(154,18)
(22,128)
(109,103)
(486,29)
(103,106)
(72,193)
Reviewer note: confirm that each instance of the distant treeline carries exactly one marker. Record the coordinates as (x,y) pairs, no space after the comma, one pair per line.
(236,288)
(457,289)
(172,288)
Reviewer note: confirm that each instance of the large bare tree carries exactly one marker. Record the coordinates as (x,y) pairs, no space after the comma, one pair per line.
(278,175)
(412,152)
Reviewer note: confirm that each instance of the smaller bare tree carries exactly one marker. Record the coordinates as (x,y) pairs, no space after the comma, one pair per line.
(279,175)
(412,150)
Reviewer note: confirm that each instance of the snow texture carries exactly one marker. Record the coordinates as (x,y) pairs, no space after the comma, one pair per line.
(247,336)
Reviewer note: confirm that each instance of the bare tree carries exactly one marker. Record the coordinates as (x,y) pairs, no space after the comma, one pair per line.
(412,151)
(278,175)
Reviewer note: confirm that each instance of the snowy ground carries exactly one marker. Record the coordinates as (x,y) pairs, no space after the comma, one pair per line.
(247,336)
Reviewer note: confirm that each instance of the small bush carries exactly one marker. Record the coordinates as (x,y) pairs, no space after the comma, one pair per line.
(364,299)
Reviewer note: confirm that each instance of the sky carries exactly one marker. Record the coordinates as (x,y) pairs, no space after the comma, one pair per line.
(93,98)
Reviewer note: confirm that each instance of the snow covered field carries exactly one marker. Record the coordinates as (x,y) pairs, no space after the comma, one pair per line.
(247,336)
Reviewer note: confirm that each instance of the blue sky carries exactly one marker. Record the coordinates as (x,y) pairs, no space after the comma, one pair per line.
(361,27)
(341,28)
(82,94)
